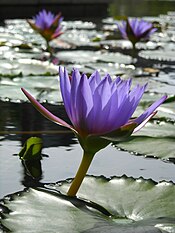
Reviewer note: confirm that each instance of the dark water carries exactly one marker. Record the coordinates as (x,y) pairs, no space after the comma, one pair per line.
(61,152)
(90,10)
(140,8)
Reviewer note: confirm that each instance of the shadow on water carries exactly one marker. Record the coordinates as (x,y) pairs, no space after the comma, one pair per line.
(21,121)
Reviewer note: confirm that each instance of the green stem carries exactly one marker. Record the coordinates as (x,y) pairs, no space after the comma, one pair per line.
(49,49)
(85,163)
(134,50)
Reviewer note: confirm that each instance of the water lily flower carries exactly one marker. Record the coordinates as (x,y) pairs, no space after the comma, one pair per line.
(47,25)
(136,30)
(100,111)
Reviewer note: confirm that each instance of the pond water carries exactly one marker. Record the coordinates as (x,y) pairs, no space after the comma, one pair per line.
(62,153)
(87,46)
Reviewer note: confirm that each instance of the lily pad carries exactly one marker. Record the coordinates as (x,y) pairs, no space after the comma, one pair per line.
(19,53)
(78,24)
(119,44)
(81,57)
(166,111)
(166,78)
(159,55)
(165,88)
(81,37)
(44,88)
(11,39)
(154,140)
(25,67)
(112,69)
(120,205)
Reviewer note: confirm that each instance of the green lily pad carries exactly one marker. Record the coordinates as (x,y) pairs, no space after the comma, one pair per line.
(154,140)
(81,38)
(120,205)
(82,57)
(11,39)
(112,69)
(165,88)
(22,53)
(159,55)
(44,88)
(121,44)
(78,24)
(25,67)
(166,111)
(166,78)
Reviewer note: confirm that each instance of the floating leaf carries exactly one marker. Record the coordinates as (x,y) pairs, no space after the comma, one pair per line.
(11,39)
(44,88)
(159,55)
(154,140)
(81,38)
(78,24)
(166,78)
(25,67)
(81,57)
(138,206)
(165,112)
(31,149)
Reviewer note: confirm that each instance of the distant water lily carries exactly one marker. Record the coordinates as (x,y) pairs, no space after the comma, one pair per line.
(47,25)
(99,110)
(136,30)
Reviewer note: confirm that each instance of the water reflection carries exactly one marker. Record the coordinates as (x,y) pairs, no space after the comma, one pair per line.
(32,173)
(139,8)
(21,121)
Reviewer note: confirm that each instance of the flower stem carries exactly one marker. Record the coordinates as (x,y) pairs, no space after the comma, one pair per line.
(49,49)
(85,163)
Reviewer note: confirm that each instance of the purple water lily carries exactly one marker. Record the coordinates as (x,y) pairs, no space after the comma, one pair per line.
(47,25)
(136,30)
(100,110)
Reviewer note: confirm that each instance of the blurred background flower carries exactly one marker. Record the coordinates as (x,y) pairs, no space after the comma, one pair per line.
(47,25)
(136,29)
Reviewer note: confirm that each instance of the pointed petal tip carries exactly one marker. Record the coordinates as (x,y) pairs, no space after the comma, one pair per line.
(140,126)
(45,112)
(150,112)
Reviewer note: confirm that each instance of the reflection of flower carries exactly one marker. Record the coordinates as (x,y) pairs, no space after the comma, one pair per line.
(47,25)
(135,30)
(100,112)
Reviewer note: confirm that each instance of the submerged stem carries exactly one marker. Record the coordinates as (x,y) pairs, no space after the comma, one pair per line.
(85,163)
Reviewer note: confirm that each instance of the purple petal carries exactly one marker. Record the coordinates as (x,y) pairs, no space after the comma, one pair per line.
(150,110)
(104,91)
(75,81)
(44,20)
(83,104)
(123,90)
(144,122)
(122,29)
(94,80)
(65,87)
(45,112)
(136,95)
(115,84)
